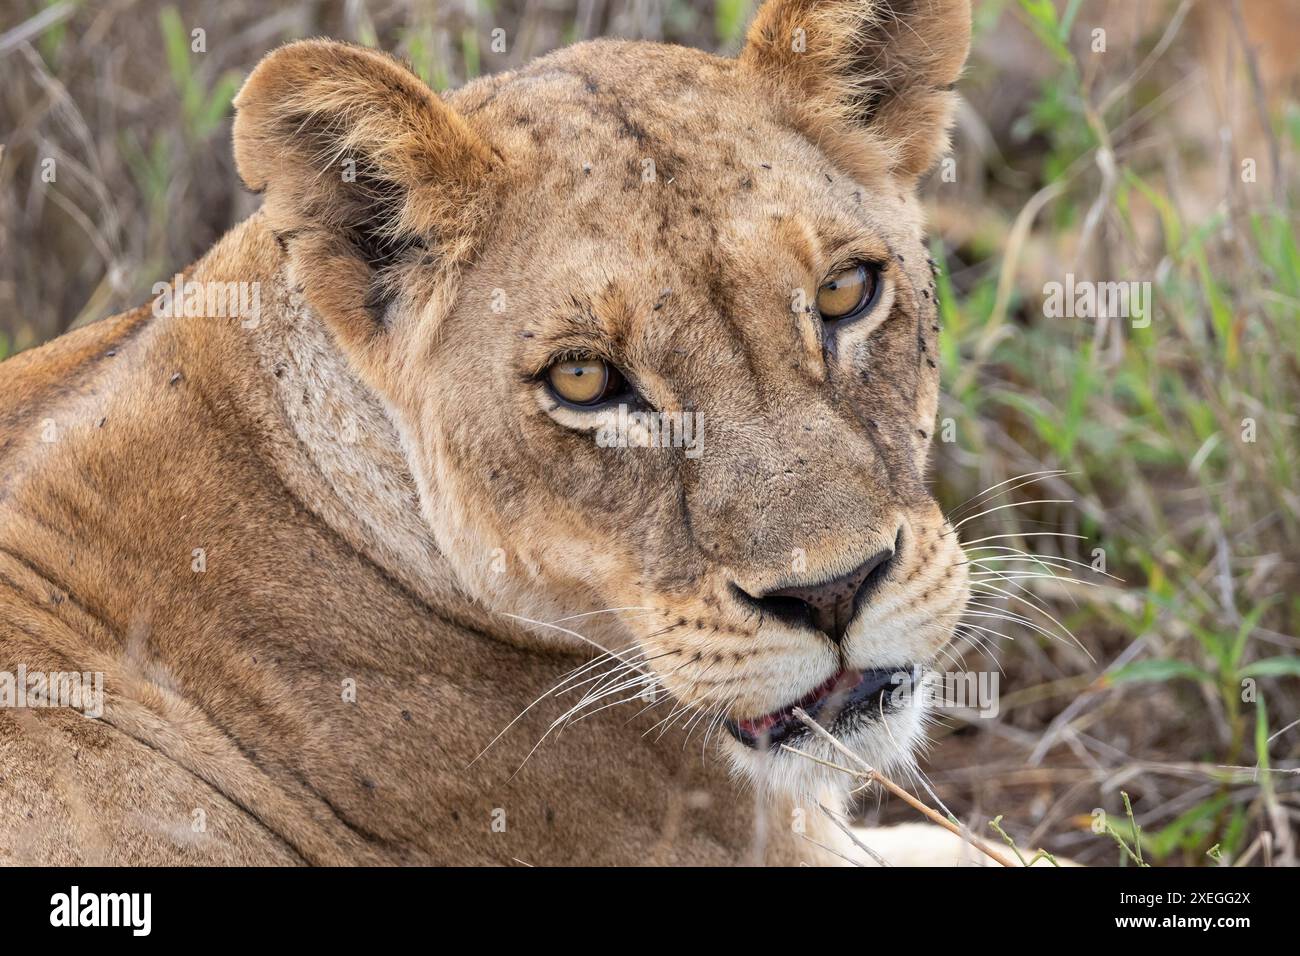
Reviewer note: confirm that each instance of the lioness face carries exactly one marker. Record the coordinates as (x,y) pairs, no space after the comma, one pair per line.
(669,388)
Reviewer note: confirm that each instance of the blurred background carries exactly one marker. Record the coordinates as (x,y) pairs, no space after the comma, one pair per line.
(1132,491)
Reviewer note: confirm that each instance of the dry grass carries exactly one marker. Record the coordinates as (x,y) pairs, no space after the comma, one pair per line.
(1125,164)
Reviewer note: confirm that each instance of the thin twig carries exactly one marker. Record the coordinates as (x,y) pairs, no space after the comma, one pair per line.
(871,773)
(880,860)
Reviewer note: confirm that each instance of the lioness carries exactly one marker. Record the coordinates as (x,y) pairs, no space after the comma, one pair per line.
(366,559)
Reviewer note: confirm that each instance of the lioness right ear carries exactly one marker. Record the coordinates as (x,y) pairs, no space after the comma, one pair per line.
(365,172)
(870,81)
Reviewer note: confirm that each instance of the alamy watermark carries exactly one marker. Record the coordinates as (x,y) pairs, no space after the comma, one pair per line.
(83,691)
(1085,299)
(628,429)
(977,691)
(192,299)
(74,908)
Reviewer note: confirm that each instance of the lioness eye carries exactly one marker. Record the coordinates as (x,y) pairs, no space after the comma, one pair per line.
(586,381)
(849,293)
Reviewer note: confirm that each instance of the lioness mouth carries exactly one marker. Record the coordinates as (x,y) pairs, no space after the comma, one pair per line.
(836,699)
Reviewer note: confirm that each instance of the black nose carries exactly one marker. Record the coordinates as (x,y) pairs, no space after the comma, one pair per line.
(831,604)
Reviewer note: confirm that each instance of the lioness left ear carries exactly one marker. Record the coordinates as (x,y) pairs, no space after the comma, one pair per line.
(869,80)
(365,172)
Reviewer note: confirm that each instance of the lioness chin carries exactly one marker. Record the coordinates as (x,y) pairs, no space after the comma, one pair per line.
(367,559)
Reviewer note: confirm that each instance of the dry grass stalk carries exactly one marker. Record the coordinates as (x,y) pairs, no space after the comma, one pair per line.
(871,774)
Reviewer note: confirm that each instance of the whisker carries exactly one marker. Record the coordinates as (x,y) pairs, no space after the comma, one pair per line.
(1014,504)
(1026,534)
(1030,476)
(608,610)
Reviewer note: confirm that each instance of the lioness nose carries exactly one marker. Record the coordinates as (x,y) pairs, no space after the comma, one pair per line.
(832,603)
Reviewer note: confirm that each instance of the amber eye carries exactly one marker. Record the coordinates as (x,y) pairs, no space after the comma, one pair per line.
(585,381)
(849,293)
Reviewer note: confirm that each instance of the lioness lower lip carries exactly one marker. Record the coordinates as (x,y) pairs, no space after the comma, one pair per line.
(840,694)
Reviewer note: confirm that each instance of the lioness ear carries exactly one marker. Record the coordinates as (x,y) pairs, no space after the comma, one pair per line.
(866,76)
(365,173)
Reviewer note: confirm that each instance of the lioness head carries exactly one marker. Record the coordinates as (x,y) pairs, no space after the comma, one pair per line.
(550,275)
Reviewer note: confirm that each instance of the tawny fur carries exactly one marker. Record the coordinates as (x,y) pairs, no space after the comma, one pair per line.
(387,499)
